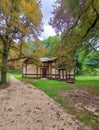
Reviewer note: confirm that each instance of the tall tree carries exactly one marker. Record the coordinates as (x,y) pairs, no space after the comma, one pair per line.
(19,20)
(78,22)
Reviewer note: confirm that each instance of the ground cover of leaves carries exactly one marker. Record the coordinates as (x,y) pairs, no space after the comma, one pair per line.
(24,107)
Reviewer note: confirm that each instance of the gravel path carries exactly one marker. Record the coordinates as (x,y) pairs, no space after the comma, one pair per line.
(24,107)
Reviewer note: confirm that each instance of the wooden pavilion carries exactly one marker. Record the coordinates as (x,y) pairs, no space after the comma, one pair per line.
(47,69)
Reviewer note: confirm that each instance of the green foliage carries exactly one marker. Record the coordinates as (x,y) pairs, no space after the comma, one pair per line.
(87,61)
(78,68)
(50,44)
(72,4)
(17,72)
(91,63)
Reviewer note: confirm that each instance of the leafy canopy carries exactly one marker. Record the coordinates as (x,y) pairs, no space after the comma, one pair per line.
(20,21)
(78,22)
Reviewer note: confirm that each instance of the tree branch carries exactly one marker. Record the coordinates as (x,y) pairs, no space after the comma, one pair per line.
(76,22)
(16,59)
(81,15)
(2,38)
(18,49)
(92,26)
(1,52)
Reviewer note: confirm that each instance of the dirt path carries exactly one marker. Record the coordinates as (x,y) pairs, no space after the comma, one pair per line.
(23,107)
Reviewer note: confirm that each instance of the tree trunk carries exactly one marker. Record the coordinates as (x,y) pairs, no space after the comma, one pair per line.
(4,71)
(3,77)
(4,64)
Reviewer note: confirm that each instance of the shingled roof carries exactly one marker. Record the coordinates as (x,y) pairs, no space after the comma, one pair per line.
(46,59)
(43,59)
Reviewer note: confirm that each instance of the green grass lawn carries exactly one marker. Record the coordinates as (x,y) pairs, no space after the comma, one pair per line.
(52,87)
(8,77)
(18,75)
(90,82)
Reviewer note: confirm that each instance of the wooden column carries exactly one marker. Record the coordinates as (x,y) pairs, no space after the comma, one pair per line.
(26,69)
(37,71)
